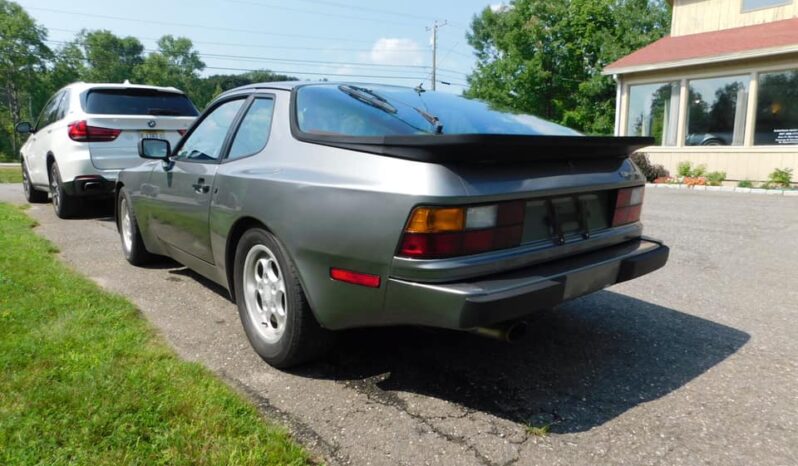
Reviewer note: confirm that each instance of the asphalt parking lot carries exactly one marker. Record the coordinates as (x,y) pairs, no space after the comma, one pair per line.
(696,363)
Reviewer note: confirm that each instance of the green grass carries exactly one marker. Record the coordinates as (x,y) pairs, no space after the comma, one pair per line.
(85,380)
(538,431)
(10,175)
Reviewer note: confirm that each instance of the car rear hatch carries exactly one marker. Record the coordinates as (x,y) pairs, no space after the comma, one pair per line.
(133,114)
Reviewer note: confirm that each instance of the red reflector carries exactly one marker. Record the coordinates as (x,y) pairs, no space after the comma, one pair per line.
(478,241)
(626,215)
(182,132)
(508,237)
(81,131)
(511,213)
(356,278)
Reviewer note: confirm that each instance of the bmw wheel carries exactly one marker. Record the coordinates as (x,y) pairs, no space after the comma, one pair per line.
(32,195)
(65,205)
(273,309)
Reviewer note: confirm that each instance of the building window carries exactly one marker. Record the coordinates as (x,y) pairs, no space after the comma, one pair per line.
(751,5)
(777,109)
(654,111)
(716,111)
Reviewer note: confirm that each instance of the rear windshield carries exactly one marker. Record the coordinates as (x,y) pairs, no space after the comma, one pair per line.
(371,110)
(138,102)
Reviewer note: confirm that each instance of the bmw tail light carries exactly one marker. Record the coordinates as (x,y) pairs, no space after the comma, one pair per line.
(81,131)
(628,204)
(439,232)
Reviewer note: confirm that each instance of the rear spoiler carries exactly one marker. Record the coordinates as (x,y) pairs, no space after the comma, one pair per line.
(486,148)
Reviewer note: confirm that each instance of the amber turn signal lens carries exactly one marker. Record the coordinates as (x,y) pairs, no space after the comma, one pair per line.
(436,220)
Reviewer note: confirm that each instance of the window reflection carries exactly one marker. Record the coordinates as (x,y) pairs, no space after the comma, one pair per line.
(654,111)
(716,111)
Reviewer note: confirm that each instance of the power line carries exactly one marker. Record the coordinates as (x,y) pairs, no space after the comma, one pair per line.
(196,26)
(318,13)
(298,61)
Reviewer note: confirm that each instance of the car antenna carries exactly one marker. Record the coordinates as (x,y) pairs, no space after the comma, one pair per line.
(420,88)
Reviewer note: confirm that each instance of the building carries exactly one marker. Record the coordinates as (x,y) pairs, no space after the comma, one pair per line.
(721,90)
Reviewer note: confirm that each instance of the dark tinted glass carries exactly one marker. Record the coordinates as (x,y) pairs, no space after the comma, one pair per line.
(349,110)
(777,109)
(49,112)
(138,102)
(254,130)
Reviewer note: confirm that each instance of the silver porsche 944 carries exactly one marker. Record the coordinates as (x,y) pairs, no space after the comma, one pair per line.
(323,207)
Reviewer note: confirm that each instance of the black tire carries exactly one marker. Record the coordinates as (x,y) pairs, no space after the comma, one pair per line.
(65,206)
(302,338)
(129,234)
(32,195)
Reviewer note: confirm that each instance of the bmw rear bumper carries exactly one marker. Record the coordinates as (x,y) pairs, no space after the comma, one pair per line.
(513,295)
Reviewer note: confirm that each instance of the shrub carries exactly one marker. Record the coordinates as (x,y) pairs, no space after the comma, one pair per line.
(650,171)
(780,178)
(716,178)
(745,184)
(684,168)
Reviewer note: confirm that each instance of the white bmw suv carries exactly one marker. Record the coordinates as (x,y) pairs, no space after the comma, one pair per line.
(87,133)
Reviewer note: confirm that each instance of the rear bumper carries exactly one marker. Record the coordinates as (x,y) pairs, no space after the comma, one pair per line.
(513,295)
(90,186)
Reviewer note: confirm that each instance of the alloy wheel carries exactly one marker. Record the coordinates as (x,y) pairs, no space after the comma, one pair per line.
(264,293)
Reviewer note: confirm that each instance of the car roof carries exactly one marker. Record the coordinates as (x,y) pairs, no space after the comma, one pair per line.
(291,85)
(83,86)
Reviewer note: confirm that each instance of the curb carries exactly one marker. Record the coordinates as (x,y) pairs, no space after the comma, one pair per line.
(726,189)
(9,165)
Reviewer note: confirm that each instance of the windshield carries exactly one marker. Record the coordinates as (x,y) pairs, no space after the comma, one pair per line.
(138,102)
(373,110)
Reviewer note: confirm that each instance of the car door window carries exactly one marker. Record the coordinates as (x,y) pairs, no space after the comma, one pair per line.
(206,141)
(253,133)
(48,112)
(63,106)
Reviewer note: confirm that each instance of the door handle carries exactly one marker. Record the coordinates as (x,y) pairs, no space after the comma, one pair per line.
(200,187)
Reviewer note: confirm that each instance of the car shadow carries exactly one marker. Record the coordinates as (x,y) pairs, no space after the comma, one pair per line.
(579,366)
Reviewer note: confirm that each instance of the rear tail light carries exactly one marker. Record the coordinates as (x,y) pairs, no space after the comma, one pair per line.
(81,131)
(628,205)
(439,232)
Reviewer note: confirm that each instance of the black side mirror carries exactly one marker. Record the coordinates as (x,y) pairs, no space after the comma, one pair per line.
(24,127)
(151,148)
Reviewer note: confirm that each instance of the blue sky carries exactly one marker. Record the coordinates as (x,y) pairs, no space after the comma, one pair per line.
(366,38)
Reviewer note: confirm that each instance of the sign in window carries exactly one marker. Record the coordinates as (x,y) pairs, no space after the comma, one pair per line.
(777,109)
(716,111)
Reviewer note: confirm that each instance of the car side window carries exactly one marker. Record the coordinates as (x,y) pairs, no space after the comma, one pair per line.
(63,106)
(206,141)
(253,132)
(48,112)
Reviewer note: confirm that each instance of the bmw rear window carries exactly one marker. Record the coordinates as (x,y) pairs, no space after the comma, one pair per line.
(138,102)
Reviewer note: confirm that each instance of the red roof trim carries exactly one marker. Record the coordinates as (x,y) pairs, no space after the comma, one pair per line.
(712,44)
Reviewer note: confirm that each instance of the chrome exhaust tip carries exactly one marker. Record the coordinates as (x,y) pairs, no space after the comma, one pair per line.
(509,332)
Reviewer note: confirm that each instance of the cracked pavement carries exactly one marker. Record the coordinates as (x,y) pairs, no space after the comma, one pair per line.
(695,363)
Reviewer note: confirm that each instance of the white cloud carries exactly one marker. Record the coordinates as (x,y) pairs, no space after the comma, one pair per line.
(499,7)
(390,51)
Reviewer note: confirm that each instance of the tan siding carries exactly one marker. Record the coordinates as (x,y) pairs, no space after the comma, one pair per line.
(753,164)
(694,16)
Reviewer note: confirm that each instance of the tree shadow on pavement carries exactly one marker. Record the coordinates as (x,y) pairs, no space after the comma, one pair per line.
(578,367)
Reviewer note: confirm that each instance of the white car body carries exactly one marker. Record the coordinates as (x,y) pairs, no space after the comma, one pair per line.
(88,167)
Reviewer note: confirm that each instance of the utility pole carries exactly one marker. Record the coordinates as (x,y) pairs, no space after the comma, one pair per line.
(434,28)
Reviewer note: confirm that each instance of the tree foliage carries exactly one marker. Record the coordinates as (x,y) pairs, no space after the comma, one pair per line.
(30,72)
(546,56)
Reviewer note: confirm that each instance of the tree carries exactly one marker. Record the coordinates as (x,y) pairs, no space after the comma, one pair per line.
(109,58)
(176,63)
(23,58)
(546,56)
